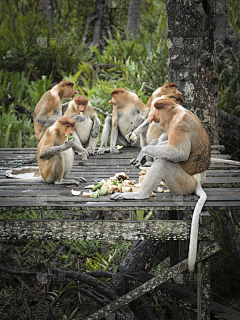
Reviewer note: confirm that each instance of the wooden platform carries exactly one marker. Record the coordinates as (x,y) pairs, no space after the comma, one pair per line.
(222,185)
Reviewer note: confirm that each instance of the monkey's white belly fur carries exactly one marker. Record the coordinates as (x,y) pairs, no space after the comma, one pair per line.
(68,156)
(83,130)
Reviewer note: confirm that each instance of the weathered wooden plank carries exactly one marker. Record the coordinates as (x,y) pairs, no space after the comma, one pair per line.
(213,182)
(151,284)
(24,203)
(62,194)
(101,230)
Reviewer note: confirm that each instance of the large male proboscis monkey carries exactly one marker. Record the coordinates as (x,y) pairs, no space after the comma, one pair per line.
(86,132)
(181,162)
(56,155)
(49,107)
(166,89)
(128,112)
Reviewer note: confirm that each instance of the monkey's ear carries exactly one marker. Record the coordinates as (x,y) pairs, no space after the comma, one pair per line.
(161,103)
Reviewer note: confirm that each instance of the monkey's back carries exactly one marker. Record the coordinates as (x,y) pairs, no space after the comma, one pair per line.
(46,103)
(200,155)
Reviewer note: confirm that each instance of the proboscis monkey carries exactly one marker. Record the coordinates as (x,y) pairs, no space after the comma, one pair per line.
(49,107)
(166,89)
(154,130)
(86,132)
(181,162)
(56,155)
(128,112)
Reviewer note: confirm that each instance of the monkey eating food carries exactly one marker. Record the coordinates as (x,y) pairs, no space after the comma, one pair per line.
(168,91)
(56,155)
(86,132)
(128,112)
(181,161)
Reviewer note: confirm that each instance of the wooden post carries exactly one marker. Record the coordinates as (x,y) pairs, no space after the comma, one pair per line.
(203,276)
(175,252)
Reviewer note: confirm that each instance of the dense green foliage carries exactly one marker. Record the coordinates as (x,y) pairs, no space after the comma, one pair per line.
(29,65)
(138,65)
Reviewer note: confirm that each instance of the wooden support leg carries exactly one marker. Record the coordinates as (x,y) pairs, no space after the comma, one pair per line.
(203,290)
(203,275)
(175,252)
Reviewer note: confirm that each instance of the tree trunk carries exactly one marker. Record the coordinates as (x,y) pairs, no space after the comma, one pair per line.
(134,10)
(191,26)
(225,35)
(101,26)
(46,6)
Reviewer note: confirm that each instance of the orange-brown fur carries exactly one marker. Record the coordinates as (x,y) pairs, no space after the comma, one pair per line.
(178,122)
(52,167)
(50,102)
(154,130)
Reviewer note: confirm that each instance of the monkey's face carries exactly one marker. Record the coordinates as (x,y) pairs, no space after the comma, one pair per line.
(67,89)
(173,97)
(81,103)
(169,87)
(117,97)
(67,125)
(164,112)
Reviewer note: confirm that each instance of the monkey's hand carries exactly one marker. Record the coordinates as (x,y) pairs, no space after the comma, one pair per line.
(141,159)
(70,143)
(95,130)
(50,122)
(127,137)
(79,118)
(90,151)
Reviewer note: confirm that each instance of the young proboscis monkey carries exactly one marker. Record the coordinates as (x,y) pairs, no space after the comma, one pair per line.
(56,154)
(166,89)
(49,108)
(86,132)
(128,112)
(181,161)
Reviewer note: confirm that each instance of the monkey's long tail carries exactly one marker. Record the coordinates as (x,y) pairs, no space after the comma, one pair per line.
(30,180)
(31,160)
(194,227)
(217,160)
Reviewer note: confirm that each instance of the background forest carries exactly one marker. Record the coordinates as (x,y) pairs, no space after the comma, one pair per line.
(40,48)
(36,53)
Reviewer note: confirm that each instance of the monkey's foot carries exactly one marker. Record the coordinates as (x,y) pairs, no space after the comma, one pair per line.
(127,195)
(114,150)
(102,150)
(80,179)
(90,151)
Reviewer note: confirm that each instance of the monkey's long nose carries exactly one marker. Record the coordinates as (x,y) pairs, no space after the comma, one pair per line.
(111,101)
(151,118)
(179,92)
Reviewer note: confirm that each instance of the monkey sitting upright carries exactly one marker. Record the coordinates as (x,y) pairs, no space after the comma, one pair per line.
(56,155)
(49,107)
(128,112)
(86,132)
(169,90)
(181,161)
